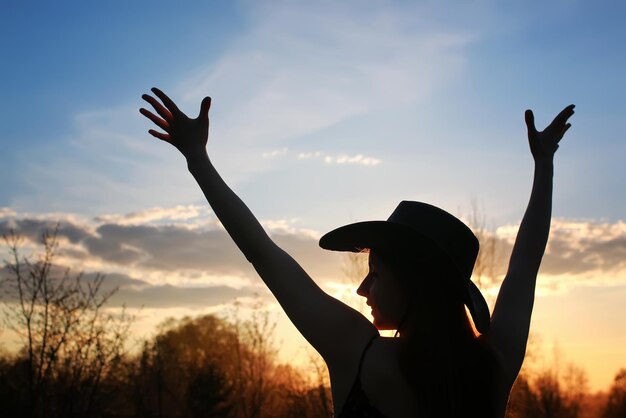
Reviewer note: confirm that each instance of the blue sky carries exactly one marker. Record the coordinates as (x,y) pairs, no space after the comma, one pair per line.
(323,113)
(72,66)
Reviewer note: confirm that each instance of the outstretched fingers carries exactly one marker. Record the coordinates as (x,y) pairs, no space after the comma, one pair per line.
(154,118)
(165,114)
(564,115)
(204,108)
(559,124)
(565,128)
(161,136)
(169,104)
(530,121)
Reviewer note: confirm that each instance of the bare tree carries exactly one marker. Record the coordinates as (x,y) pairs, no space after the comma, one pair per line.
(550,392)
(69,342)
(321,384)
(575,389)
(616,403)
(255,352)
(488,267)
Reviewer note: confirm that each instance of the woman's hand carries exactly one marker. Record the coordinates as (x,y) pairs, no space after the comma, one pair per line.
(544,144)
(188,135)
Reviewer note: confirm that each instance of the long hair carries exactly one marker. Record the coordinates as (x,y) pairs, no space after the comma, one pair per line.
(450,371)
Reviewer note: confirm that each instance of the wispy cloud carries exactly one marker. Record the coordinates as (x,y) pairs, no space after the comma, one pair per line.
(356,159)
(305,67)
(294,71)
(340,159)
(275,153)
(308,155)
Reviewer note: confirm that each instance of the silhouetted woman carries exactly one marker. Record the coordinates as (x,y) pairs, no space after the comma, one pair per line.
(420,263)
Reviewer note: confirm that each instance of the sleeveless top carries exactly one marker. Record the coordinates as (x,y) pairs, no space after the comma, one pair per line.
(357,404)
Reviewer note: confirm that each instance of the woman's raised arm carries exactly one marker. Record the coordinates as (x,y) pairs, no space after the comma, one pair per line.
(329,325)
(511,316)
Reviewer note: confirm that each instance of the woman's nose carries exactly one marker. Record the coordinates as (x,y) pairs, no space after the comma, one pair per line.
(364,287)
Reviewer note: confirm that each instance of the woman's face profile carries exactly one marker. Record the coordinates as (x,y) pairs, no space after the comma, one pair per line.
(384,294)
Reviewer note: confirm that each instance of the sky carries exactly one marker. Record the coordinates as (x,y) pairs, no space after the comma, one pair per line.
(323,113)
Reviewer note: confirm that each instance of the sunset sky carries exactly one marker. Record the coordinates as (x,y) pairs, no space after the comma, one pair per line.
(323,113)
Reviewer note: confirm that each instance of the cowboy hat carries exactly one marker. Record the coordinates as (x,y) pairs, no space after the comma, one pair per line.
(417,225)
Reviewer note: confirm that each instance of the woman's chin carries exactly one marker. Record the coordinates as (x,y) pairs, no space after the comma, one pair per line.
(381,325)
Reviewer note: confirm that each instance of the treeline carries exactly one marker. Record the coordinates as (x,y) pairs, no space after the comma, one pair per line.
(73,361)
(212,367)
(201,367)
(550,394)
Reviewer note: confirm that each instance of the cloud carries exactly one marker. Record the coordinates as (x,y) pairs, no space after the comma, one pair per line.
(174,214)
(308,155)
(136,293)
(168,296)
(6,212)
(340,159)
(585,247)
(171,250)
(587,253)
(305,68)
(275,153)
(186,261)
(292,71)
(184,247)
(165,248)
(346,159)
(579,247)
(32,228)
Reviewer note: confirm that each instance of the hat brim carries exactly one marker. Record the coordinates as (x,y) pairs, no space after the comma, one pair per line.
(373,234)
(389,235)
